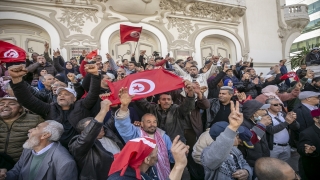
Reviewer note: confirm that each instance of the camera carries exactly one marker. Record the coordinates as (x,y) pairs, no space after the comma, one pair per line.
(155,53)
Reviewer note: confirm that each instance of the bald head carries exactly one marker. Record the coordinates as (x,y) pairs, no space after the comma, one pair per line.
(267,168)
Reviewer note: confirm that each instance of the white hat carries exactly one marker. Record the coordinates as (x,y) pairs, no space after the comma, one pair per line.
(307,94)
(67,89)
(9,98)
(111,76)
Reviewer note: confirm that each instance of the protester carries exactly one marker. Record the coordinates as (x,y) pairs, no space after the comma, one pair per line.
(66,110)
(93,158)
(215,83)
(252,87)
(148,129)
(313,86)
(14,126)
(309,148)
(268,168)
(47,81)
(221,159)
(43,156)
(136,159)
(277,131)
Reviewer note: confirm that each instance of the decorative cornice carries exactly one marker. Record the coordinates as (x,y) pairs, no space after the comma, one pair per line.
(216,12)
(183,26)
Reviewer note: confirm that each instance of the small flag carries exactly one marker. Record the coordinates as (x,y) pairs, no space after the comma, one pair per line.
(129,33)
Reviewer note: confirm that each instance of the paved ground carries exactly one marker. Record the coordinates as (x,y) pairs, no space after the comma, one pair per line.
(293,161)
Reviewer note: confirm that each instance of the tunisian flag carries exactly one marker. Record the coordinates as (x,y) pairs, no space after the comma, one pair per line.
(11,53)
(146,83)
(129,33)
(291,75)
(92,54)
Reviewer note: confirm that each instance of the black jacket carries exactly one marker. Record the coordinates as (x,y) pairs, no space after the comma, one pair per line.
(93,160)
(251,89)
(309,87)
(79,110)
(311,58)
(310,162)
(276,81)
(213,85)
(304,118)
(271,129)
(171,119)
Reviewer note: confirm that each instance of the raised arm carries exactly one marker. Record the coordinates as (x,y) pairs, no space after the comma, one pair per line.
(112,63)
(22,93)
(46,53)
(122,118)
(188,104)
(211,71)
(80,146)
(56,64)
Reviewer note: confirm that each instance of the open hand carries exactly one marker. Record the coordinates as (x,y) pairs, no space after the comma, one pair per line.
(108,56)
(235,117)
(46,45)
(125,97)
(56,53)
(179,151)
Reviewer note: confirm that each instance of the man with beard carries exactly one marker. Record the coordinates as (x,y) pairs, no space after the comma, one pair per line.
(194,73)
(43,157)
(148,128)
(313,86)
(65,110)
(14,125)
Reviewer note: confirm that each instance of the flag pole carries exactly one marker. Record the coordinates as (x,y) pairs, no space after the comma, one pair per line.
(135,47)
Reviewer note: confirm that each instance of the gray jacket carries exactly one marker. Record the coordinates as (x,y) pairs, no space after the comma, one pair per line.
(58,164)
(217,159)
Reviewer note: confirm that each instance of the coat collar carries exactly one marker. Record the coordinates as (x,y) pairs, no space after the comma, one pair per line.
(46,163)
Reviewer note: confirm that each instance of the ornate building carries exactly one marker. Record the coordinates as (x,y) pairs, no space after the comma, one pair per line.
(235,29)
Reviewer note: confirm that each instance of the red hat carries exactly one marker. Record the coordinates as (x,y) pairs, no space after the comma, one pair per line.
(133,154)
(315,113)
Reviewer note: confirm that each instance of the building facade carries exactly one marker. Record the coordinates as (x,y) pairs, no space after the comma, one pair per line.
(310,36)
(236,29)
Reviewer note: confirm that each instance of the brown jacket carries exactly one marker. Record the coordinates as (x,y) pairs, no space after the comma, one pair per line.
(12,138)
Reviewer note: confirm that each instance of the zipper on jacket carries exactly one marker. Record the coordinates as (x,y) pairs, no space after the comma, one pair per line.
(8,135)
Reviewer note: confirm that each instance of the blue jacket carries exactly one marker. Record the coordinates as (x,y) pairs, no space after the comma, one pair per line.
(128,131)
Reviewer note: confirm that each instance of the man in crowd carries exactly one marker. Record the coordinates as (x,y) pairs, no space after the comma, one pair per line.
(47,81)
(309,102)
(43,156)
(313,86)
(313,60)
(216,159)
(132,67)
(148,128)
(125,64)
(219,107)
(277,132)
(66,110)
(252,87)
(309,148)
(40,65)
(93,158)
(14,126)
(194,73)
(267,168)
(170,116)
(136,159)
(256,119)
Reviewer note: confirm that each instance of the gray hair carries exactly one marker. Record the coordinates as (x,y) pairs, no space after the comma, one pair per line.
(55,129)
(230,89)
(41,78)
(268,101)
(81,124)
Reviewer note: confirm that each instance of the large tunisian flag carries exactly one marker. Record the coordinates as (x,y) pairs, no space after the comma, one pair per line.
(11,53)
(146,83)
(129,33)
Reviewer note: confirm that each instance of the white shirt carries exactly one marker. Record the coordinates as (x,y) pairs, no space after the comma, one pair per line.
(310,106)
(109,145)
(281,137)
(42,150)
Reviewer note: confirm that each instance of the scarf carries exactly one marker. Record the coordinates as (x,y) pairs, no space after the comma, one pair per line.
(163,165)
(133,155)
(271,90)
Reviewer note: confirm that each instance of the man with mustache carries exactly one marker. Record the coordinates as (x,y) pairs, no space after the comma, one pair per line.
(43,156)
(148,128)
(14,126)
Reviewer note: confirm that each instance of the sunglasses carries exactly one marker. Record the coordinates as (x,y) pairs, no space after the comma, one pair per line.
(277,104)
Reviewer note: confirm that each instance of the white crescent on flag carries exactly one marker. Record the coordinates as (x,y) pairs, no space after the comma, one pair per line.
(141,86)
(135,34)
(11,53)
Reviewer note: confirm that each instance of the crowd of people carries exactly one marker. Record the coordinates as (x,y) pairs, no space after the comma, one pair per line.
(228,122)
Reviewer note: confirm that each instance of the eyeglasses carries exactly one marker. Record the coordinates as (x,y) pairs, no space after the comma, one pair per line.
(277,104)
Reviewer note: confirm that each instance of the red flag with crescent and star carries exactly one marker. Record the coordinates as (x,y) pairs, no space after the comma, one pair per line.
(144,84)
(11,53)
(129,33)
(292,76)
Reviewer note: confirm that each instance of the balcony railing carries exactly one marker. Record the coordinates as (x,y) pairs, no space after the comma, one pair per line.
(296,11)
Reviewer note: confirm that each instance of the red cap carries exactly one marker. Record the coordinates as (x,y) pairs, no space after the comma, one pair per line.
(315,113)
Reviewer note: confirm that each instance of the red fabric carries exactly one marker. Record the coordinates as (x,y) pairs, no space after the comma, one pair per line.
(92,54)
(133,154)
(161,63)
(81,68)
(10,53)
(315,113)
(145,84)
(290,75)
(129,33)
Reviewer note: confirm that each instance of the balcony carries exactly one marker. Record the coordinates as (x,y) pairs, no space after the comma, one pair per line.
(296,16)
